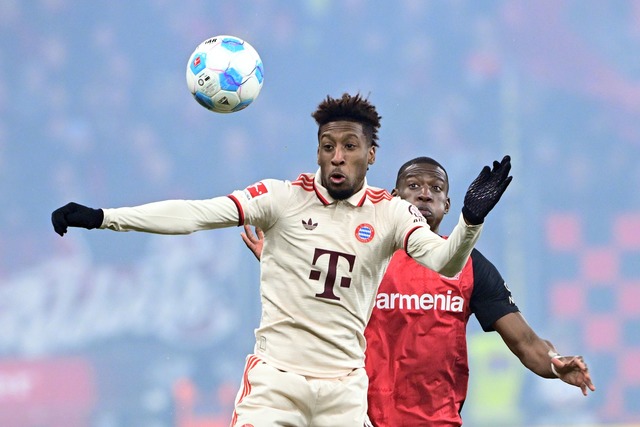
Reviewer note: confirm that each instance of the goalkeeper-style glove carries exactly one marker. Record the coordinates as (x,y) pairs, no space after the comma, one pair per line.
(75,215)
(485,191)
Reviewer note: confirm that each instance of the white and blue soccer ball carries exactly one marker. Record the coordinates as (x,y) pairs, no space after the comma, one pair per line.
(225,74)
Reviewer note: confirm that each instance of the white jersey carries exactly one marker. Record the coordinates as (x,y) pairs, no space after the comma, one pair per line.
(321,263)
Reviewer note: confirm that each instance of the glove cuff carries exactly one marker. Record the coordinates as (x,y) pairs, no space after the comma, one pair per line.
(97,217)
(470,217)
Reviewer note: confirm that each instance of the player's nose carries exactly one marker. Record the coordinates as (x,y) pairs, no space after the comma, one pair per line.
(338,157)
(425,193)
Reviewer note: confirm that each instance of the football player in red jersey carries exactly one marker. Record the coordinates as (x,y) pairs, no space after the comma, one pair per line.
(416,356)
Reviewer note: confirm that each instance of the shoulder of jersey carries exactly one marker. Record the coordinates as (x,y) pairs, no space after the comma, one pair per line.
(304,180)
(377,195)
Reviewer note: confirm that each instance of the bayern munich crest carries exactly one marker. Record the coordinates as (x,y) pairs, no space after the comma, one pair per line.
(365,233)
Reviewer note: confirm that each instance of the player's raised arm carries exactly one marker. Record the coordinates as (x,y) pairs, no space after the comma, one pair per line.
(483,194)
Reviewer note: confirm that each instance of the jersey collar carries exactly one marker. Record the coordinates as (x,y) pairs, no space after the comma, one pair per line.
(357,199)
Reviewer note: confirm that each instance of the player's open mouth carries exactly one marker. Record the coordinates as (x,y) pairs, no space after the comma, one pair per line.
(337,178)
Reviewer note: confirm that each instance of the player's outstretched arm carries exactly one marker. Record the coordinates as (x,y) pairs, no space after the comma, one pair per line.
(253,241)
(540,356)
(163,217)
(485,191)
(76,215)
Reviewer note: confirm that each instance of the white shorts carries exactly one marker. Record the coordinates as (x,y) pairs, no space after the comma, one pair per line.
(269,397)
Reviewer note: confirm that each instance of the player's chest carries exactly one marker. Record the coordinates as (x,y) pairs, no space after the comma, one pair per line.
(340,226)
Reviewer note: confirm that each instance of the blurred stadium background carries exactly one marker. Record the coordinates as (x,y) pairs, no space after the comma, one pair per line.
(101,329)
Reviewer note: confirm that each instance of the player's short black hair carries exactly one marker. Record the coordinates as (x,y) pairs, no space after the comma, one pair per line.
(352,108)
(417,160)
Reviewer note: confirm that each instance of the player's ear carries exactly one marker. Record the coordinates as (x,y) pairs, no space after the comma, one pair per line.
(447,205)
(394,192)
(372,155)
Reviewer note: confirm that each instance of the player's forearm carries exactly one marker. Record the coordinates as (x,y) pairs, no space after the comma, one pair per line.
(446,257)
(523,341)
(173,216)
(535,356)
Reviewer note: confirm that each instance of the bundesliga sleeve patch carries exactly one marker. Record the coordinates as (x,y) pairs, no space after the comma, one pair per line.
(255,190)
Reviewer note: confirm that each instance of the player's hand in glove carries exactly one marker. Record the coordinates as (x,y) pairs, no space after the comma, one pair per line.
(485,191)
(75,215)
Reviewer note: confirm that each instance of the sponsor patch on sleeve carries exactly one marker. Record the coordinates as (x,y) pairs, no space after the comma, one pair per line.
(255,190)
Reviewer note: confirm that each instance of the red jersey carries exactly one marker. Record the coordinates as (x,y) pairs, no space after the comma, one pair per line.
(416,356)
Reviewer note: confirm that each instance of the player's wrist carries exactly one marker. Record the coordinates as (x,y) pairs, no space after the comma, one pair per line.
(470,217)
(554,355)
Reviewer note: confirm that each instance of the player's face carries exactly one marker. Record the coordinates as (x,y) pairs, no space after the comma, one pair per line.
(426,186)
(344,154)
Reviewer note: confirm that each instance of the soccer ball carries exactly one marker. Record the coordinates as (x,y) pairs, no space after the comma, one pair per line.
(225,74)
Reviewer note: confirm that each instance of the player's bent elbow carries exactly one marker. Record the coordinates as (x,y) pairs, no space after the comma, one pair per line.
(450,269)
(446,268)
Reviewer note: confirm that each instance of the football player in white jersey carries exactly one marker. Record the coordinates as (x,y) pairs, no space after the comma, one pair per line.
(328,238)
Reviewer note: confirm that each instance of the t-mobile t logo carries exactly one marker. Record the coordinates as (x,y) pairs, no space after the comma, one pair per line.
(330,280)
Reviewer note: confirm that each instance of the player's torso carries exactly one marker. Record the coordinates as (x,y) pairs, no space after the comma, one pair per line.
(416,343)
(321,268)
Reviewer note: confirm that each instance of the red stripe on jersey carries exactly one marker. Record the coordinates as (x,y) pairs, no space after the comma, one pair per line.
(377,196)
(304,186)
(406,238)
(305,181)
(239,207)
(320,196)
(252,361)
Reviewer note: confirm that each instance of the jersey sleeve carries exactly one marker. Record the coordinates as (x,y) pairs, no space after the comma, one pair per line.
(260,204)
(256,205)
(173,216)
(491,298)
(445,256)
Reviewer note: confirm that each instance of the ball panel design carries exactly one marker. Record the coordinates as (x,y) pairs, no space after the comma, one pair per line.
(225,101)
(232,44)
(230,80)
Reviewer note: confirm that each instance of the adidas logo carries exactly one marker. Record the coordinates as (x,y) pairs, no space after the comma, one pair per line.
(309,225)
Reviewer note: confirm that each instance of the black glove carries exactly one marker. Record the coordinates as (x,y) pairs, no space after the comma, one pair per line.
(75,215)
(485,191)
